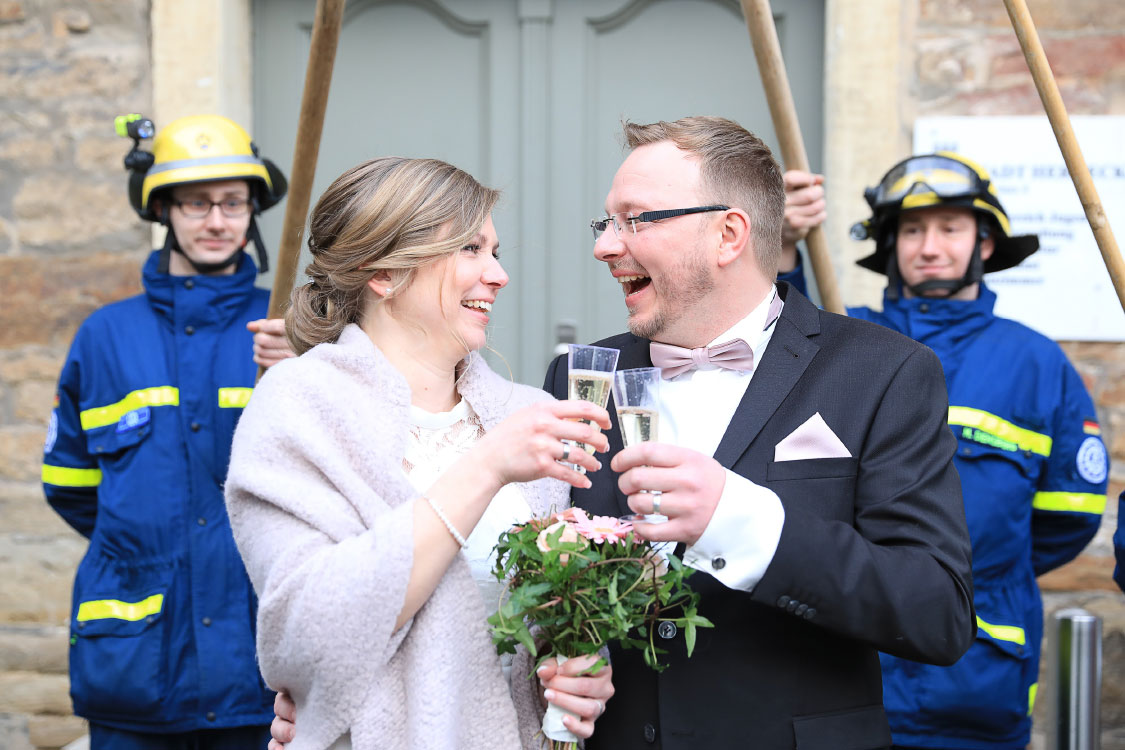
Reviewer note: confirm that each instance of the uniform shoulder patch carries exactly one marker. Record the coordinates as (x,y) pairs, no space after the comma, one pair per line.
(52,432)
(1092,462)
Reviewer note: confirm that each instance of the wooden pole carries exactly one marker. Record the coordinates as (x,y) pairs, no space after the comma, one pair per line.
(1068,144)
(767,50)
(314,100)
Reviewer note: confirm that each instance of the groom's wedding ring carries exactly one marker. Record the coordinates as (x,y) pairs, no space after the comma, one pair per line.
(601,709)
(656,504)
(566,452)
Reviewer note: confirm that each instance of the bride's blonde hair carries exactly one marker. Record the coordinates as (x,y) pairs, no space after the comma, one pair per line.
(389,214)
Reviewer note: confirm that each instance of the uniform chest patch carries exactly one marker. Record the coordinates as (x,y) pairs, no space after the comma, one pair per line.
(1091,460)
(131,420)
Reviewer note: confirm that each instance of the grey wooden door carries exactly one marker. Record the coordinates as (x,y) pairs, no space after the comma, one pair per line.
(528,96)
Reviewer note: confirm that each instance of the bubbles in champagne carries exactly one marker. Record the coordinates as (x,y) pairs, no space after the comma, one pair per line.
(638,424)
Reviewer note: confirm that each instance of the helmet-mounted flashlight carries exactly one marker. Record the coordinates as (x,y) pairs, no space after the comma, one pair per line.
(137,127)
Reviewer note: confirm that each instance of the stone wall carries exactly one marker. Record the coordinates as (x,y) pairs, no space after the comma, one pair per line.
(69,243)
(967,61)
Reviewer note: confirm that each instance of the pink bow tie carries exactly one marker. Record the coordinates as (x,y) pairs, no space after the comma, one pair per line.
(735,354)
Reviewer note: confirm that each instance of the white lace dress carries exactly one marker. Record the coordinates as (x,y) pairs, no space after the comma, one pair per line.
(434,444)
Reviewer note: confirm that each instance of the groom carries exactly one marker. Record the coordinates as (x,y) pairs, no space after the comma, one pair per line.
(812,485)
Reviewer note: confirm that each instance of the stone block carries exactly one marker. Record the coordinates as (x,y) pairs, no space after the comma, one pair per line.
(1083,573)
(1070,57)
(92,211)
(34,400)
(46,299)
(71,21)
(26,37)
(14,733)
(1049,15)
(11,11)
(29,153)
(101,155)
(33,693)
(55,731)
(69,76)
(31,363)
(24,510)
(34,648)
(38,573)
(21,452)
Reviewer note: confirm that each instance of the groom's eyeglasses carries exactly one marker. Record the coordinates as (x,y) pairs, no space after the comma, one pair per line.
(620,220)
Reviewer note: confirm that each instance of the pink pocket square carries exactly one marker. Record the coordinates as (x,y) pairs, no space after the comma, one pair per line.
(813,439)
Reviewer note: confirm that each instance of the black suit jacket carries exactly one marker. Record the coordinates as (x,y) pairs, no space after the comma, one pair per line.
(874,552)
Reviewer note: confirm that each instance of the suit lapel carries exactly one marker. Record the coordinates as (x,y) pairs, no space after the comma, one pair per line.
(789,353)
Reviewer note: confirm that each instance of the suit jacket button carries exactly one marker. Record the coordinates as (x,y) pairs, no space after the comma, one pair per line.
(650,733)
(666,630)
(811,613)
(801,610)
(718,563)
(792,605)
(782,600)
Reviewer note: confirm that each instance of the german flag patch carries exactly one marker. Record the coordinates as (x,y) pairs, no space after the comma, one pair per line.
(1091,428)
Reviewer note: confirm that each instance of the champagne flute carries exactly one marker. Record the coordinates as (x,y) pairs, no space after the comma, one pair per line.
(636,394)
(589,378)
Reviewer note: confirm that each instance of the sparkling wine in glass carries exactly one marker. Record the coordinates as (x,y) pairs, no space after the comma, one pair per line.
(590,378)
(636,394)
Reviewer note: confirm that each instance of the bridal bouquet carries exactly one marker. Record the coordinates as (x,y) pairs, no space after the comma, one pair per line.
(575,583)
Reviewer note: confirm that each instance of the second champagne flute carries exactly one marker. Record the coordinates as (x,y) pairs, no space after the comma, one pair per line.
(636,394)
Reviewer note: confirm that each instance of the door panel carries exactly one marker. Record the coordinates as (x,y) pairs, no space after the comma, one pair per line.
(528,96)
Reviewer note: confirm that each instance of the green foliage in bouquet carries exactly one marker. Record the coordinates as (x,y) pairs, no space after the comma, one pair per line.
(581,582)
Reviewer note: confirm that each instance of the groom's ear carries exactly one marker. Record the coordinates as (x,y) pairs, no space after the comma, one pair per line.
(734,236)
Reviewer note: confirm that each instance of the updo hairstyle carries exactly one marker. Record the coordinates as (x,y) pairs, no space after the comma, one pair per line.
(389,214)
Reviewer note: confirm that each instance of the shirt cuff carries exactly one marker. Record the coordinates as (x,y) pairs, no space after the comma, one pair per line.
(740,541)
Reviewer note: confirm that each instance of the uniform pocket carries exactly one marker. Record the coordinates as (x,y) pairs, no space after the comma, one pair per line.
(986,691)
(117,651)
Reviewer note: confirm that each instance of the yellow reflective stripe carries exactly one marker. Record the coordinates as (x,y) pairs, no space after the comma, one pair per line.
(1031,691)
(993,425)
(100,416)
(1003,632)
(102,609)
(1078,502)
(234,398)
(61,476)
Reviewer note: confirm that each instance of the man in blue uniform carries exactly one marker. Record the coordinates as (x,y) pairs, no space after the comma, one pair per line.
(162,621)
(1032,463)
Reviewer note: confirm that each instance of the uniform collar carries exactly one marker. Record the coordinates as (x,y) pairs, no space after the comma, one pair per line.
(216,297)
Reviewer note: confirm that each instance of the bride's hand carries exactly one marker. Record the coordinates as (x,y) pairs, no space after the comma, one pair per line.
(528,444)
(585,696)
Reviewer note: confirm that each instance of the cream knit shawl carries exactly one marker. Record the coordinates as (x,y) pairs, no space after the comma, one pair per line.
(322,514)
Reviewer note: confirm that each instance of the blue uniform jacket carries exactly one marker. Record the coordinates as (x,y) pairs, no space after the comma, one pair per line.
(1033,475)
(163,613)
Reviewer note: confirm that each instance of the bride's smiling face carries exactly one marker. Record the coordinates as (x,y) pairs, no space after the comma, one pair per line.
(466,286)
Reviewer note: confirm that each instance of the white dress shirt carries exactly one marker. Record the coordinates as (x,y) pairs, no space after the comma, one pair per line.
(695,410)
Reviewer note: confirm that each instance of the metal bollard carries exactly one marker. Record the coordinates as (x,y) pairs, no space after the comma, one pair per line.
(1074,680)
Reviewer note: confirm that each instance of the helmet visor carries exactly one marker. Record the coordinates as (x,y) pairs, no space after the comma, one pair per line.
(941,176)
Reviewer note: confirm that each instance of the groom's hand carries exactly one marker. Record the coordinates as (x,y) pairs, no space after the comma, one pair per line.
(690,484)
(284,726)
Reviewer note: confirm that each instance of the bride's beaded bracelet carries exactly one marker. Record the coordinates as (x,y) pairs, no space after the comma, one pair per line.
(444,519)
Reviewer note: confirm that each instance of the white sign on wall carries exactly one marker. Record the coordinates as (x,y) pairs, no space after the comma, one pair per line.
(1063,291)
